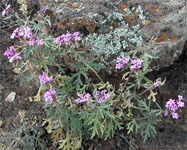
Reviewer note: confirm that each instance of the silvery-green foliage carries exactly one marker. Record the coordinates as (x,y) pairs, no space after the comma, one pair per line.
(139,10)
(107,46)
(111,41)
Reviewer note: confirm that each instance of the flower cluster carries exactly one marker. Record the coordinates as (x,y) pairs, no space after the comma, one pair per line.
(17,33)
(22,32)
(101,96)
(173,105)
(9,51)
(5,10)
(45,79)
(136,64)
(122,61)
(12,57)
(38,41)
(83,98)
(50,95)
(65,38)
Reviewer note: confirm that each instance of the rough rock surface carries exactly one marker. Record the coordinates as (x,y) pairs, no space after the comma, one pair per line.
(167,21)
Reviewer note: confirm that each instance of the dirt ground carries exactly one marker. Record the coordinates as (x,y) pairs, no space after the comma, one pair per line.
(10,112)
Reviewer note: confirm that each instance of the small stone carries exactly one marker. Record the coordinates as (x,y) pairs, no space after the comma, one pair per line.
(30,99)
(11,97)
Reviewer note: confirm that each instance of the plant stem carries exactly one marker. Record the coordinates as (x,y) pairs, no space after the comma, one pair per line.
(97,75)
(144,91)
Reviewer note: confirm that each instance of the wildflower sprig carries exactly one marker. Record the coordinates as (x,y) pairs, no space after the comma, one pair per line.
(137,93)
(135,64)
(66,38)
(100,96)
(172,106)
(50,95)
(12,56)
(22,32)
(6,10)
(83,98)
(45,79)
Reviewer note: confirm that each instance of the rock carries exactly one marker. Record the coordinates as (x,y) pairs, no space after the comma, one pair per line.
(11,97)
(167,22)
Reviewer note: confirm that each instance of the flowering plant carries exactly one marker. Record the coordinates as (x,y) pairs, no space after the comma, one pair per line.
(79,104)
(173,105)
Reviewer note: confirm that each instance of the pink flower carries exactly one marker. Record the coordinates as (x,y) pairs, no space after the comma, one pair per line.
(180,103)
(136,64)
(156,84)
(9,51)
(180,97)
(101,96)
(5,10)
(14,58)
(26,32)
(175,115)
(170,103)
(75,36)
(49,96)
(15,33)
(31,43)
(173,105)
(39,42)
(22,32)
(66,38)
(166,113)
(45,79)
(121,62)
(83,98)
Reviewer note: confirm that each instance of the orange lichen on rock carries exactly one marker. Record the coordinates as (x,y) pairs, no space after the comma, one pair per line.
(148,22)
(131,19)
(162,38)
(173,39)
(151,5)
(122,7)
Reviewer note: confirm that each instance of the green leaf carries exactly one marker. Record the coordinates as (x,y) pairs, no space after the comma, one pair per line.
(132,125)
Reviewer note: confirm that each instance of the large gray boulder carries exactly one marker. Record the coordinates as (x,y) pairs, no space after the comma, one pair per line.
(169,23)
(165,22)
